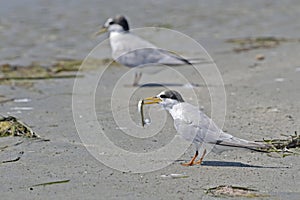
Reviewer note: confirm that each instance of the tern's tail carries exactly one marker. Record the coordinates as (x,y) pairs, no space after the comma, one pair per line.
(197,61)
(241,143)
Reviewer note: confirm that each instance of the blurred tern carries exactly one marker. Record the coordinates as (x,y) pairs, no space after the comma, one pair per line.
(133,51)
(196,127)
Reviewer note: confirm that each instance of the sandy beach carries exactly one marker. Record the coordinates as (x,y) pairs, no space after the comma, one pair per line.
(261,85)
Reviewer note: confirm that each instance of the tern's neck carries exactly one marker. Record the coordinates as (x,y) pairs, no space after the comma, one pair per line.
(117,33)
(175,111)
(116,39)
(169,106)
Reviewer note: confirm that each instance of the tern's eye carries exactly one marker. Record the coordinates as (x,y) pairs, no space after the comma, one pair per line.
(163,96)
(110,23)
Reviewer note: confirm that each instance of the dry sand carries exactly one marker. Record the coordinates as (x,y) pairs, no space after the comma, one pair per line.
(262,102)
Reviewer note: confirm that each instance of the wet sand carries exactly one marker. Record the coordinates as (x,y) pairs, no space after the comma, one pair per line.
(262,101)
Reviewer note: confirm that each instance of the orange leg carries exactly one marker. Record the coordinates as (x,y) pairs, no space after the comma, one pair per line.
(200,160)
(192,161)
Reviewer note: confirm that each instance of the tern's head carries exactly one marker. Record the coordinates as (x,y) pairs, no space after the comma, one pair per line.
(167,99)
(118,23)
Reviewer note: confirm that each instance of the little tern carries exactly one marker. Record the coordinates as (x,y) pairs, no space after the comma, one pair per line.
(195,126)
(132,51)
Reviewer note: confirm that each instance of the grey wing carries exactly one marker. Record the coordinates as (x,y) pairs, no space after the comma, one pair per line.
(146,56)
(195,126)
(198,127)
(133,51)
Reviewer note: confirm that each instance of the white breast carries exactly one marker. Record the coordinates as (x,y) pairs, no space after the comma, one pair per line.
(117,44)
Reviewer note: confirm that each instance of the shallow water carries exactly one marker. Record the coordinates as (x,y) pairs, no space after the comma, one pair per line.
(42,30)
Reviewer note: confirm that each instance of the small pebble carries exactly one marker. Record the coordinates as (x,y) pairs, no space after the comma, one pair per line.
(175,176)
(24,100)
(259,57)
(279,79)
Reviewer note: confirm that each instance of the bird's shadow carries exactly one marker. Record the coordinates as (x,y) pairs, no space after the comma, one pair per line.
(192,85)
(232,164)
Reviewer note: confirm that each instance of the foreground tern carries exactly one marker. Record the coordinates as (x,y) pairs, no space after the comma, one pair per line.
(196,127)
(133,51)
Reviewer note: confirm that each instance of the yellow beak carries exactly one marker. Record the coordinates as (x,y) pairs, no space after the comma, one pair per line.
(101,31)
(152,100)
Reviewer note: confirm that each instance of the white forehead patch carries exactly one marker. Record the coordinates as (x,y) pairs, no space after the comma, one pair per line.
(108,21)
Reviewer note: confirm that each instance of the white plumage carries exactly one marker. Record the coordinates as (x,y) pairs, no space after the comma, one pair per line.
(132,51)
(195,126)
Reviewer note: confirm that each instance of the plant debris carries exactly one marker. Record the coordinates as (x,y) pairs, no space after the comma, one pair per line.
(233,191)
(251,43)
(52,183)
(66,66)
(10,126)
(284,145)
(36,71)
(31,72)
(3,99)
(6,146)
(14,160)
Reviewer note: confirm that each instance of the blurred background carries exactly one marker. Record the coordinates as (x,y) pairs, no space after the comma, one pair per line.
(43,30)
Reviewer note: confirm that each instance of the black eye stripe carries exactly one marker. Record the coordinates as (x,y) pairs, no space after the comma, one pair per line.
(170,97)
(171,94)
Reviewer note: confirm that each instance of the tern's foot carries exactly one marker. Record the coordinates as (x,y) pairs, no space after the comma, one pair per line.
(198,162)
(201,159)
(191,164)
(188,164)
